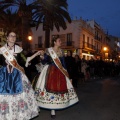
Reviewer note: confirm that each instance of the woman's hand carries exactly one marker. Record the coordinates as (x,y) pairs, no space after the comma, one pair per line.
(37,53)
(42,52)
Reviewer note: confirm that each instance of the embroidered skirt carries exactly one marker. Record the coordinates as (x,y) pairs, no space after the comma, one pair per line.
(20,102)
(54,90)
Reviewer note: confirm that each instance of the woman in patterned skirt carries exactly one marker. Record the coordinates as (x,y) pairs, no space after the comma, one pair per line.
(17,99)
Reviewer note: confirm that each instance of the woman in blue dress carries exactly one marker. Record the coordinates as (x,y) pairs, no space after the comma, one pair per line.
(17,99)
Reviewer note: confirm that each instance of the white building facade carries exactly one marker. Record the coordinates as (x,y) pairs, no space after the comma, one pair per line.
(78,37)
(85,38)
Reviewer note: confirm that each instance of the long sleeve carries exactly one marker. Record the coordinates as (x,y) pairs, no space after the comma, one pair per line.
(21,58)
(47,59)
(2,60)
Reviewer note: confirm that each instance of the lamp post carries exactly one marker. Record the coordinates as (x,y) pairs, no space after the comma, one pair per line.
(105,49)
(29,37)
(29,40)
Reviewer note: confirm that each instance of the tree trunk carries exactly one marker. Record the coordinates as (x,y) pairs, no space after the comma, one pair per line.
(25,14)
(25,31)
(47,38)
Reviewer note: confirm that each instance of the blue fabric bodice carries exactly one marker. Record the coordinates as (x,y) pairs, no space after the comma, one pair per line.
(10,83)
(48,60)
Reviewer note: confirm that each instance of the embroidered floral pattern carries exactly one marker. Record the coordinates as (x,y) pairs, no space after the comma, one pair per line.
(4,108)
(21,106)
(27,86)
(50,98)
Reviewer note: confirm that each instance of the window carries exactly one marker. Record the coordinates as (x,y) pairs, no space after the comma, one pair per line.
(69,39)
(87,39)
(40,42)
(92,41)
(92,44)
(83,40)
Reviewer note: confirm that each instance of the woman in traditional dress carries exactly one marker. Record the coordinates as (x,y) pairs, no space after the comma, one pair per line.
(17,98)
(53,88)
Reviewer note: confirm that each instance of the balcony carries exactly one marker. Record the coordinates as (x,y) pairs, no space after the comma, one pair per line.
(97,51)
(97,38)
(88,46)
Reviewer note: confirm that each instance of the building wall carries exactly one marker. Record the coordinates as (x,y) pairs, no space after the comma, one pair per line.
(80,45)
(74,26)
(85,48)
(101,38)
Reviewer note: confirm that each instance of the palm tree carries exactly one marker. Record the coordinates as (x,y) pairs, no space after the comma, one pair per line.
(10,21)
(51,13)
(25,12)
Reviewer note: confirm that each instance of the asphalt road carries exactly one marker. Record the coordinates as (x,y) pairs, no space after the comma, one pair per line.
(98,100)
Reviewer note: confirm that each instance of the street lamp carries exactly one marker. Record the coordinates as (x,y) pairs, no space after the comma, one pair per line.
(30,39)
(105,49)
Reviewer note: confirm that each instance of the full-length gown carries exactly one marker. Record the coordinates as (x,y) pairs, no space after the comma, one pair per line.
(17,98)
(54,90)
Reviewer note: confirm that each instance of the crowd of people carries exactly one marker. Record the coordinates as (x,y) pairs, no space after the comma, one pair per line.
(82,70)
(79,70)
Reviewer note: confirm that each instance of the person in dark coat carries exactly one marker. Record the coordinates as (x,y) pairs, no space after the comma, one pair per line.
(77,68)
(70,65)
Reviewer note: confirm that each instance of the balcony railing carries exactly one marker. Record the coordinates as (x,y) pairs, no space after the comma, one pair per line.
(88,45)
(98,51)
(97,38)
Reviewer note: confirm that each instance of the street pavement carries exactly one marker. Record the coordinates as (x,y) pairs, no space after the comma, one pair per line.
(99,99)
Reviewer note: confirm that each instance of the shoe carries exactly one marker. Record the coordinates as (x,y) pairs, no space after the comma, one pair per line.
(53,116)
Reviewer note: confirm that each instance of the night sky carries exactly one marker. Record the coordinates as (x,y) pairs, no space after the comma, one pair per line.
(105,12)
